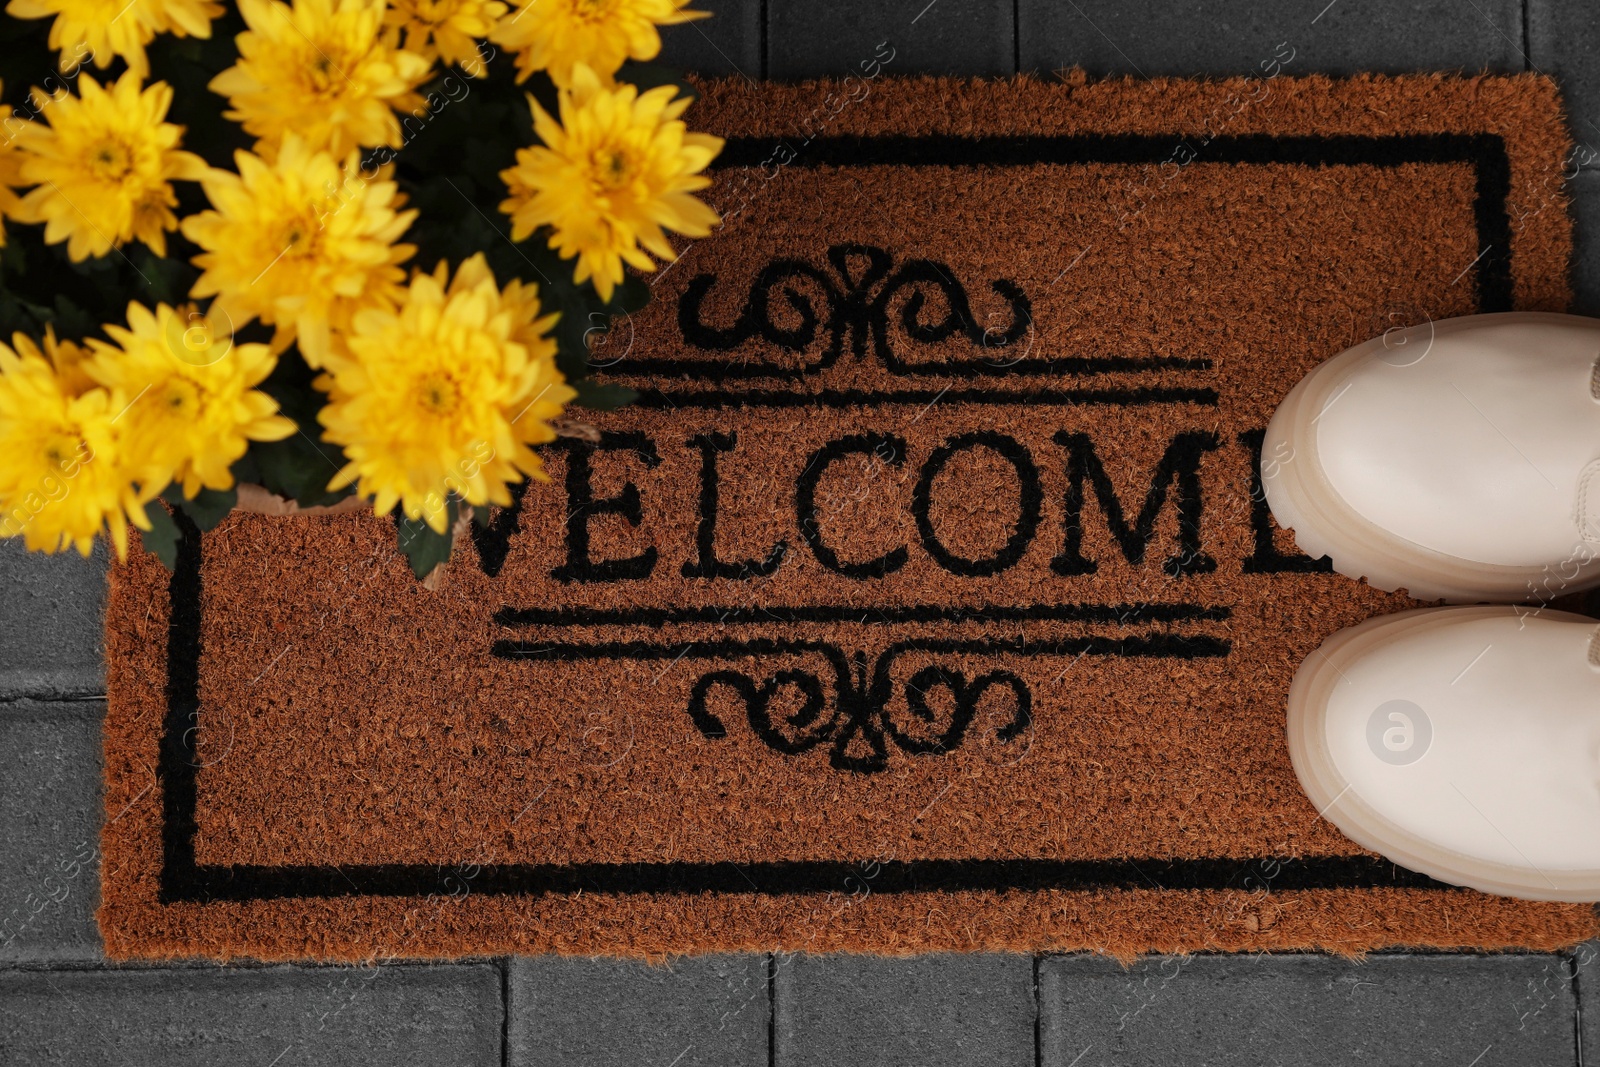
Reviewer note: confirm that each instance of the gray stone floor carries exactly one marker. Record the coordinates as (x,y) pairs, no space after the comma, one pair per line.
(61,1003)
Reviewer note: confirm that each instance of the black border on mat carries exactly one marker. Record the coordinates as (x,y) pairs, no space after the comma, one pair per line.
(1485,152)
(184,880)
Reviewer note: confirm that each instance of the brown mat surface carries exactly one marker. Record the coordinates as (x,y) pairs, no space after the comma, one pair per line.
(923,601)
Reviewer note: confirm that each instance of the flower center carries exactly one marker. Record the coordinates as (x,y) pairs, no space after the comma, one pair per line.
(110,161)
(613,167)
(179,398)
(438,393)
(325,77)
(593,10)
(62,451)
(434,12)
(299,239)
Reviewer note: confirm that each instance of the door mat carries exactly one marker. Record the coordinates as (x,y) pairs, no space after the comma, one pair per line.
(925,600)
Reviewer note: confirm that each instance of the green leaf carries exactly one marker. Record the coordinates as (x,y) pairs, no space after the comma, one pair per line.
(245,471)
(166,280)
(581,312)
(208,506)
(603,396)
(71,320)
(17,314)
(300,466)
(13,258)
(424,548)
(163,536)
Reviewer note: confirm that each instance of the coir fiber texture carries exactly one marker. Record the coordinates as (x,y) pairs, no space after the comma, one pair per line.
(925,600)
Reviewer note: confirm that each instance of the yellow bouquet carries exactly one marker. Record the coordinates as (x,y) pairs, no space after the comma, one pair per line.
(259,245)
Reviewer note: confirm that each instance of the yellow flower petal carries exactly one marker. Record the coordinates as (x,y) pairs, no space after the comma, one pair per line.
(63,477)
(446,29)
(104,29)
(193,410)
(609,178)
(322,70)
(442,394)
(102,164)
(563,37)
(303,244)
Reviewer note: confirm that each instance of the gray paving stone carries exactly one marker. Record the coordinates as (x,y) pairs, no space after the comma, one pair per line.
(1243,1011)
(1585,193)
(816,38)
(1564,42)
(1587,960)
(278,1016)
(727,43)
(866,1011)
(49,830)
(1238,36)
(50,618)
(697,1012)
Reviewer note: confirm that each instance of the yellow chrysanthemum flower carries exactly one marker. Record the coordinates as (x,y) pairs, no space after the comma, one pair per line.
(615,171)
(100,30)
(103,165)
(446,29)
(299,244)
(10,176)
(322,70)
(194,407)
(69,359)
(10,170)
(444,394)
(557,35)
(61,477)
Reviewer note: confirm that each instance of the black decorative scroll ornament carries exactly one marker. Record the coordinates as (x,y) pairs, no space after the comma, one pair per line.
(850,306)
(860,723)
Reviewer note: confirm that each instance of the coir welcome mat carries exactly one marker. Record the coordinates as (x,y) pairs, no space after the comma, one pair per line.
(925,599)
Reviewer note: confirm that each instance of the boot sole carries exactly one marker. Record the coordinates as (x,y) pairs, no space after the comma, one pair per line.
(1304,501)
(1335,801)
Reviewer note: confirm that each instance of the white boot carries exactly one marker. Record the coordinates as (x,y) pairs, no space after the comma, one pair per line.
(1463,743)
(1459,459)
